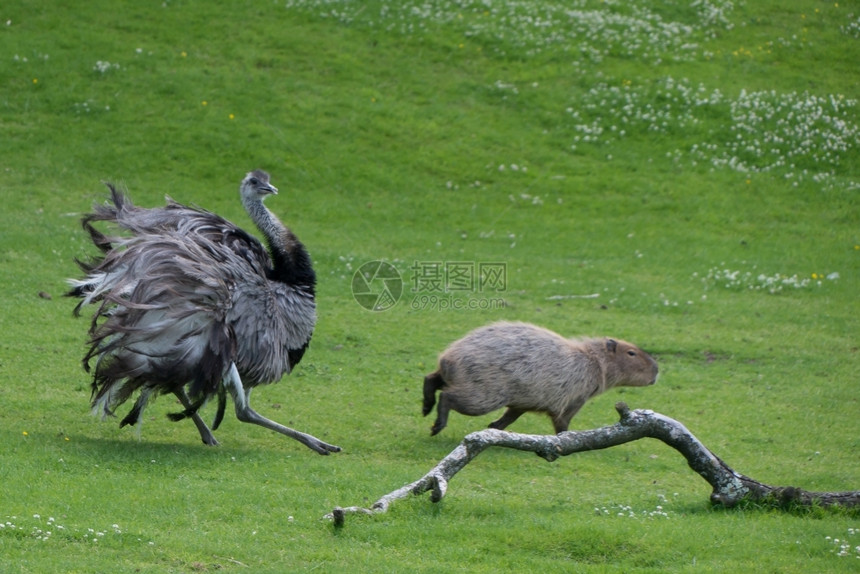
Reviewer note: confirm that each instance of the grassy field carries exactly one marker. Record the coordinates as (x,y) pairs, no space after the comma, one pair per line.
(683,175)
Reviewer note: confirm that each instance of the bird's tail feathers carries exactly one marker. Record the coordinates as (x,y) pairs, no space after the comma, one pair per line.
(134,415)
(222,404)
(106,212)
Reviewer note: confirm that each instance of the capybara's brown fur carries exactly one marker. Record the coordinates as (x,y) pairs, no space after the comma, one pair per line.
(527,368)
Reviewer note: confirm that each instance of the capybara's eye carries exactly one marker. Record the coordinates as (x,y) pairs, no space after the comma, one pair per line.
(631,353)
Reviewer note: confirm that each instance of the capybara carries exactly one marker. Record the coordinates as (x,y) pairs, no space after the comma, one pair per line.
(528,368)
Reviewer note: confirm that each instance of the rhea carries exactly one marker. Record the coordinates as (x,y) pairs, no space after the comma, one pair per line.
(189,304)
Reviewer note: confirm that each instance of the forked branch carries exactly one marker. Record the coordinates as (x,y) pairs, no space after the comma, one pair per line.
(729,487)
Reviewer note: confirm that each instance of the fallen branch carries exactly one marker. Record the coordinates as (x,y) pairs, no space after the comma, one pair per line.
(729,487)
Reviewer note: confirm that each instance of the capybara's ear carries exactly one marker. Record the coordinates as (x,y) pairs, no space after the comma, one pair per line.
(611,345)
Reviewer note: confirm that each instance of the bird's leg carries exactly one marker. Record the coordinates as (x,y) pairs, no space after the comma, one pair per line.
(246,414)
(205,433)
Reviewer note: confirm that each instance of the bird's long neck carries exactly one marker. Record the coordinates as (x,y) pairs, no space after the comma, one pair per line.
(290,259)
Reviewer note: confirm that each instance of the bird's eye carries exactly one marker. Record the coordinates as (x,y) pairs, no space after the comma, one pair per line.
(254,181)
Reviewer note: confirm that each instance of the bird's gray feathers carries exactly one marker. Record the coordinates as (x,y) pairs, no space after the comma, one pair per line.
(182,295)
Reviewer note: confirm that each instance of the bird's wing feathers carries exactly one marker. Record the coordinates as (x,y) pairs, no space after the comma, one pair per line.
(270,343)
(187,293)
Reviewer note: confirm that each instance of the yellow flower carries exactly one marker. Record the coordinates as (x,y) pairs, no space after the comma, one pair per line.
(815,275)
(231,116)
(204,102)
(25,433)
(184,54)
(35,80)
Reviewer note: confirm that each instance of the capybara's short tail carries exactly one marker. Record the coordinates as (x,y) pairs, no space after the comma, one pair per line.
(432,383)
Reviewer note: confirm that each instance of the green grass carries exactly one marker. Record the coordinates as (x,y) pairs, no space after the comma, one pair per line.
(456,134)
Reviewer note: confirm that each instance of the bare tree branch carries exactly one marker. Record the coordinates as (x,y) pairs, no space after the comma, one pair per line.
(729,487)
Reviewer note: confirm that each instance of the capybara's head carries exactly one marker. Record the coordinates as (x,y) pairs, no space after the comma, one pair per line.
(628,365)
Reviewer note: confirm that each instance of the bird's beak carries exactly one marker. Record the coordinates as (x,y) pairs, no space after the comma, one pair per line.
(272,189)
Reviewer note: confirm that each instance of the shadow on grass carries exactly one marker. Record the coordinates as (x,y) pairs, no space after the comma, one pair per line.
(126,449)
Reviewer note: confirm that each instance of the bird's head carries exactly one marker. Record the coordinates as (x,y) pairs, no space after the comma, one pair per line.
(256,185)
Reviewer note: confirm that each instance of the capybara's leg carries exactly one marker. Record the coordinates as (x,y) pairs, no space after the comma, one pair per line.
(446,401)
(510,416)
(561,421)
(432,383)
